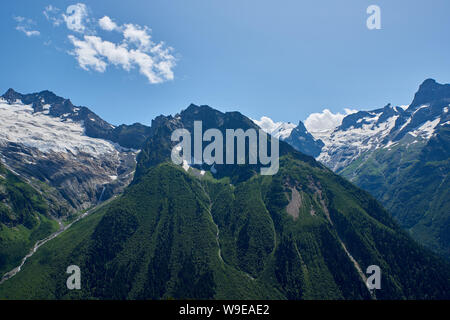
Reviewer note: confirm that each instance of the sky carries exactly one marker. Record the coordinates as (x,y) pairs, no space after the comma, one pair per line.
(130,61)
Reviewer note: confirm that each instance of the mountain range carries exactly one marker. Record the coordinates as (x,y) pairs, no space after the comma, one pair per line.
(69,153)
(400,155)
(67,156)
(196,231)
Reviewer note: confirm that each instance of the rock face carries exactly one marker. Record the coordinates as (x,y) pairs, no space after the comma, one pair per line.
(296,136)
(70,154)
(367,131)
(304,142)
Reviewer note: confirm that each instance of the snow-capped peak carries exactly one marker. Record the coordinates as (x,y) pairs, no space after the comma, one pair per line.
(20,124)
(280,130)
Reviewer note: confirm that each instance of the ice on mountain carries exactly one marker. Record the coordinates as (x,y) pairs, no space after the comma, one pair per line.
(420,108)
(48,134)
(353,142)
(426,130)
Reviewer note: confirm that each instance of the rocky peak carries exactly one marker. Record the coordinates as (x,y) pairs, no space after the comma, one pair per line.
(128,136)
(11,95)
(304,142)
(430,92)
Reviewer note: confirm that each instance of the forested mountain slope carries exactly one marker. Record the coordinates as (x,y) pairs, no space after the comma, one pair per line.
(231,233)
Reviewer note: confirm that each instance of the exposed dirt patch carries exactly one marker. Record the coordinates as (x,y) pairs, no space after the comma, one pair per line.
(293,208)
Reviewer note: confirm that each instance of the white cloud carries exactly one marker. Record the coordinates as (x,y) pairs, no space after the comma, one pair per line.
(52,14)
(325,120)
(24,25)
(28,33)
(95,53)
(86,55)
(107,24)
(136,49)
(137,35)
(76,17)
(267,124)
(19,19)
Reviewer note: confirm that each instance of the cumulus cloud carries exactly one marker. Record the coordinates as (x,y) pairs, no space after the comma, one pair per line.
(25,26)
(137,35)
(107,24)
(136,49)
(86,53)
(92,52)
(325,120)
(77,15)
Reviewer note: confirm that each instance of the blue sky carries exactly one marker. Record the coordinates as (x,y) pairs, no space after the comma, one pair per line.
(282,59)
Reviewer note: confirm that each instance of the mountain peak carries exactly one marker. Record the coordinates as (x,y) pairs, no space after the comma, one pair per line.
(303,141)
(49,95)
(11,95)
(10,91)
(193,108)
(429,92)
(301,126)
(428,83)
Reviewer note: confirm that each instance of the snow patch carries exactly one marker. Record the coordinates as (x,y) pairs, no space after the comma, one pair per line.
(19,124)
(46,109)
(419,108)
(390,144)
(426,130)
(353,142)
